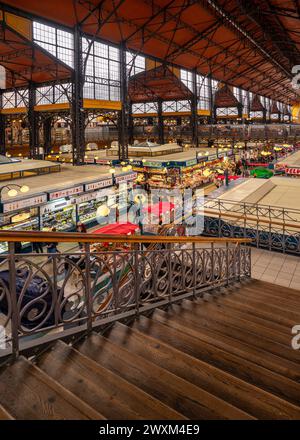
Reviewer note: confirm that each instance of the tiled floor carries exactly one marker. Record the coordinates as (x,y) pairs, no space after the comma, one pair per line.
(276,268)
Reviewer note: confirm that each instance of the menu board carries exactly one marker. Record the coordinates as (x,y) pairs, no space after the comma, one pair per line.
(100,184)
(16,205)
(58,194)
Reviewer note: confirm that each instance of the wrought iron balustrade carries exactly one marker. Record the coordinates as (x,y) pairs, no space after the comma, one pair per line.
(46,296)
(268,227)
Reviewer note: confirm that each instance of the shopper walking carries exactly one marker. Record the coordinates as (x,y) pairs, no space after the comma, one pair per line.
(81,228)
(52,247)
(37,247)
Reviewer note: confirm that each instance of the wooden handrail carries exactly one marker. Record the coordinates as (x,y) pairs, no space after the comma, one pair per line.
(71,237)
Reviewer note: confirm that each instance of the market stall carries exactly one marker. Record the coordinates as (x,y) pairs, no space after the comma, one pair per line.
(193,173)
(63,208)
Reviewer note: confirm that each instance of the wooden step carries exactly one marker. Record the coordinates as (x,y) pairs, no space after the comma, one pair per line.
(288,314)
(244,336)
(4,415)
(269,297)
(236,321)
(103,390)
(29,394)
(179,394)
(267,313)
(235,365)
(249,398)
(242,317)
(278,291)
(258,356)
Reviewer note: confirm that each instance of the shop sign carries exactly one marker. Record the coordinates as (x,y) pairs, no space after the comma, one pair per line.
(293,171)
(203,159)
(96,185)
(51,207)
(102,161)
(24,203)
(126,178)
(191,162)
(89,160)
(91,196)
(60,194)
(148,163)
(137,163)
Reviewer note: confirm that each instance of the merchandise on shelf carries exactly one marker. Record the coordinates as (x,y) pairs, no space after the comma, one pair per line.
(60,214)
(192,176)
(87,211)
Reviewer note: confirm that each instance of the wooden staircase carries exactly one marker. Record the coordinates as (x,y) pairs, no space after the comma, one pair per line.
(224,356)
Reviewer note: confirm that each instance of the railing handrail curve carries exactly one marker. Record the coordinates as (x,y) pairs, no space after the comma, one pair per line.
(71,237)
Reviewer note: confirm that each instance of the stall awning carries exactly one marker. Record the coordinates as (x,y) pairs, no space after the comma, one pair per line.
(160,208)
(118,229)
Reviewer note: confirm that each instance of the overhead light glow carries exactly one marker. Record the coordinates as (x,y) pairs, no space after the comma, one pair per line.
(24,189)
(12,193)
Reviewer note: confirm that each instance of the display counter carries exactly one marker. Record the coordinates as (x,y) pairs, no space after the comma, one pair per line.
(62,208)
(25,220)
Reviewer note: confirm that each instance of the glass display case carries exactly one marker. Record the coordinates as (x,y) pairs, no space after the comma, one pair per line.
(25,220)
(87,211)
(60,214)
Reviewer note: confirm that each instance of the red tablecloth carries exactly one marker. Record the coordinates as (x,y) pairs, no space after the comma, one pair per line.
(222,177)
(160,208)
(118,229)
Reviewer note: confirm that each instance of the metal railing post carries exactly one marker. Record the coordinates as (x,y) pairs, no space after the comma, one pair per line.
(213,262)
(89,299)
(283,230)
(227,264)
(194,254)
(219,223)
(239,261)
(115,288)
(169,248)
(14,301)
(137,276)
(54,293)
(270,229)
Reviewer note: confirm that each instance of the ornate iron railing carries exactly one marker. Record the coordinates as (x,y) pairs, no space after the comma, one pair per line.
(44,297)
(268,227)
